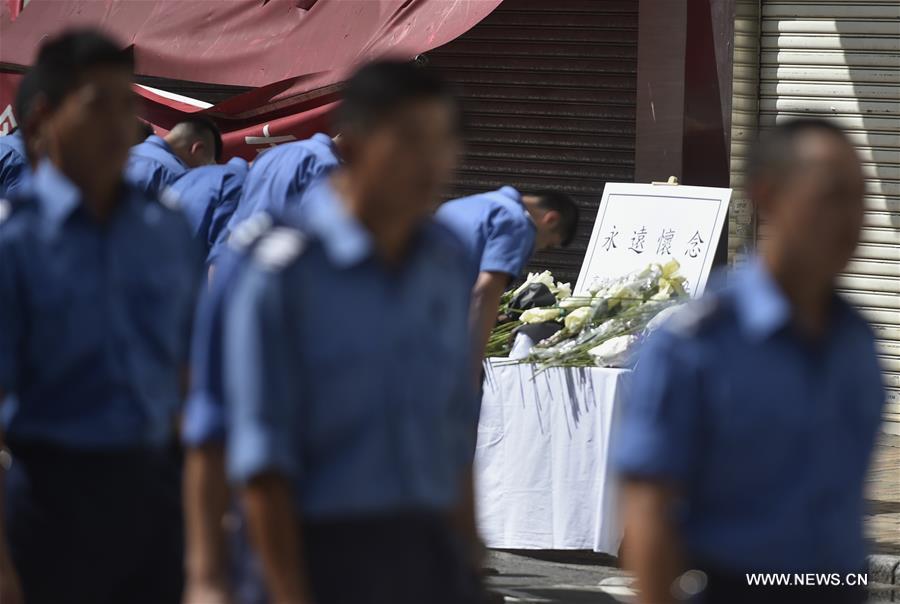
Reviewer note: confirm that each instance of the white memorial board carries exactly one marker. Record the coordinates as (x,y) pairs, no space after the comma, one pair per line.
(641,224)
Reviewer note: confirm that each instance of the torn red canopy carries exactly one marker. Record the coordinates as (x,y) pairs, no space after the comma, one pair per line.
(291,53)
(246,42)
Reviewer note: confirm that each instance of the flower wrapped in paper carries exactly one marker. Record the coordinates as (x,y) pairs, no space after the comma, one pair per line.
(606,326)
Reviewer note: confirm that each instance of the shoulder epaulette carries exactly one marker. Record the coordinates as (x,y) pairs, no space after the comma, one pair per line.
(11,205)
(170,199)
(279,247)
(247,232)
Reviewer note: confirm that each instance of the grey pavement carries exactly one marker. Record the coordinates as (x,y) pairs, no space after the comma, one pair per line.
(573,577)
(557,577)
(882,519)
(577,577)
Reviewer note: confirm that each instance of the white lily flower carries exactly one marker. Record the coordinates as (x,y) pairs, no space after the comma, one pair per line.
(546,278)
(597,286)
(562,290)
(576,319)
(670,269)
(574,302)
(665,291)
(540,315)
(626,295)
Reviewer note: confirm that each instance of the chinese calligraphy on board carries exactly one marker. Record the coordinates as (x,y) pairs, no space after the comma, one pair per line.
(641,224)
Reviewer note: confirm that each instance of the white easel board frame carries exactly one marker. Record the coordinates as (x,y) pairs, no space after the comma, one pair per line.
(640,224)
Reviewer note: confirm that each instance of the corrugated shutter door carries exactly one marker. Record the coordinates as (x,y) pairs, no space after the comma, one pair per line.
(744,125)
(549,94)
(840,60)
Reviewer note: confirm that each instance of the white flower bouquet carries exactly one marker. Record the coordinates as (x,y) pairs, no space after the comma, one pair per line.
(606,326)
(511,318)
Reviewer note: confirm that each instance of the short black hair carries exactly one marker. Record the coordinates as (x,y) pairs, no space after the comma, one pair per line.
(567,209)
(25,95)
(199,125)
(145,129)
(63,60)
(378,89)
(774,154)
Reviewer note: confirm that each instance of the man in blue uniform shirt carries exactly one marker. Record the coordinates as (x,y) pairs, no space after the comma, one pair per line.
(97,286)
(158,162)
(501,230)
(15,159)
(219,568)
(278,179)
(208,196)
(351,441)
(754,413)
(13,163)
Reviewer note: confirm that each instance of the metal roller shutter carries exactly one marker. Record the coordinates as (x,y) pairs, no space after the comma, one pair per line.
(549,94)
(842,60)
(744,125)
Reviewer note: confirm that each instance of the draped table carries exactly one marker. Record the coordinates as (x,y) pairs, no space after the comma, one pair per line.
(543,478)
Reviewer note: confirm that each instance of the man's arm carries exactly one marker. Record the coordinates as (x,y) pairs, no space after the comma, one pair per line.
(485,303)
(657,451)
(275,531)
(653,546)
(262,395)
(205,505)
(464,520)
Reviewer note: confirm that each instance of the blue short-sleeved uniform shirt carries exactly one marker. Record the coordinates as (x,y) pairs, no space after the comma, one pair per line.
(766,434)
(350,378)
(495,228)
(208,196)
(14,170)
(279,177)
(94,318)
(152,166)
(204,415)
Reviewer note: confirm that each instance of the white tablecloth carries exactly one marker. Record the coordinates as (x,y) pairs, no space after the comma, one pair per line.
(542,470)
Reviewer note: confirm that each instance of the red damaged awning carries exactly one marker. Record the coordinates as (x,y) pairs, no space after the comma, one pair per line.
(292,54)
(244,134)
(246,42)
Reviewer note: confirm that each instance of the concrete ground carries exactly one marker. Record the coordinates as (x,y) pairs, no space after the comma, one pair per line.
(883,498)
(558,577)
(882,520)
(582,577)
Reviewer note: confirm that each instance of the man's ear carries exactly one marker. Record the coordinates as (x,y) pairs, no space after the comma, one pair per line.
(346,146)
(551,218)
(762,193)
(197,148)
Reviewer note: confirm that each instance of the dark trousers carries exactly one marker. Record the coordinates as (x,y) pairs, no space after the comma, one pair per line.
(730,588)
(95,527)
(400,558)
